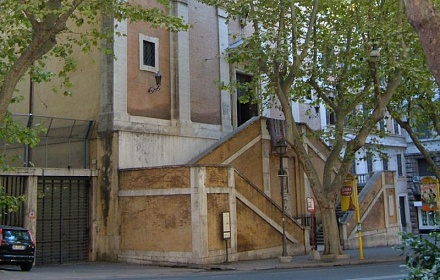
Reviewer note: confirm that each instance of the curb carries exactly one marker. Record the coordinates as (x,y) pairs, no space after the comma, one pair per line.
(307,264)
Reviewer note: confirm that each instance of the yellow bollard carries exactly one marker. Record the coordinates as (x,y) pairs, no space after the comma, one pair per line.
(358,216)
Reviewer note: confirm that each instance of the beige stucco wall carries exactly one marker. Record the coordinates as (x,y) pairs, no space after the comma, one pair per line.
(205,64)
(84,100)
(152,223)
(218,203)
(254,233)
(173,214)
(156,223)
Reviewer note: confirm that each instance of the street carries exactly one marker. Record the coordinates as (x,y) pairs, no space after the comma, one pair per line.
(95,271)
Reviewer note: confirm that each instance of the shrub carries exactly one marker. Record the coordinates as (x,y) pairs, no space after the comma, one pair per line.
(422,255)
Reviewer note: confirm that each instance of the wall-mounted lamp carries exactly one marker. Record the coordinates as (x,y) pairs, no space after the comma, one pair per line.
(158,77)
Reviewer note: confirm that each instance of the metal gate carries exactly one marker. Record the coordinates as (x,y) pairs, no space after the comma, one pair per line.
(13,186)
(62,220)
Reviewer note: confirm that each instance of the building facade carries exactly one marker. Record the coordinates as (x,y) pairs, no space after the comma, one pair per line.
(129,157)
(121,120)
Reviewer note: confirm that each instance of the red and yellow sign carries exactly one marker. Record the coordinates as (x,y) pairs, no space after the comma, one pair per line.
(347,201)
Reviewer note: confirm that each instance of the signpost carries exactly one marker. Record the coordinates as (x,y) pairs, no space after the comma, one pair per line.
(349,202)
(314,254)
(311,210)
(226,231)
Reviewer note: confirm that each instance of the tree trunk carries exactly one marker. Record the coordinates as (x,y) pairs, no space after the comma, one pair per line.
(332,243)
(426,21)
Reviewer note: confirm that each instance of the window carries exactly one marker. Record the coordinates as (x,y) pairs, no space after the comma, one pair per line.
(148,53)
(369,162)
(385,162)
(330,116)
(396,128)
(382,125)
(14,235)
(424,130)
(399,165)
(353,167)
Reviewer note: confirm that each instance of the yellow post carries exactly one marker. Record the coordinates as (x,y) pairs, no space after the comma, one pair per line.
(358,216)
(438,204)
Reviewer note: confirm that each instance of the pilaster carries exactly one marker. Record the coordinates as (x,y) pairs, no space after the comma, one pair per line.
(233,214)
(224,70)
(30,205)
(180,68)
(199,214)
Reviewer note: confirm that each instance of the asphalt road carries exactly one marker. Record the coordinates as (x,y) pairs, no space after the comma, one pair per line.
(104,271)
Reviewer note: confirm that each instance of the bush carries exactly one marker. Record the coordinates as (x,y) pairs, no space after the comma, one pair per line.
(422,255)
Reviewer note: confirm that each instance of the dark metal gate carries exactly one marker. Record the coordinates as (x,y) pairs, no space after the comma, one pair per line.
(13,186)
(62,220)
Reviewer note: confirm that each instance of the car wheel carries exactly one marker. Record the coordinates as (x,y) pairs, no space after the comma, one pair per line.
(26,266)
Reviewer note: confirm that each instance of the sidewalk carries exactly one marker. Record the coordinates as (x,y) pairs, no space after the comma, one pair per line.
(104,270)
(371,255)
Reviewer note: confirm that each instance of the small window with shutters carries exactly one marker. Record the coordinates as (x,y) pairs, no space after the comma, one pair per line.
(148,53)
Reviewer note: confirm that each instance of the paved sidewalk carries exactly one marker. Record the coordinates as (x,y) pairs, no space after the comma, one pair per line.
(371,255)
(100,270)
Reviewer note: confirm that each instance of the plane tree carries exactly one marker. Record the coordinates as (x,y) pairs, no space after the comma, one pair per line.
(346,55)
(425,18)
(415,107)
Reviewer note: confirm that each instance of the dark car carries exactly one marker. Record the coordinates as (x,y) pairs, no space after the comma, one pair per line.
(17,247)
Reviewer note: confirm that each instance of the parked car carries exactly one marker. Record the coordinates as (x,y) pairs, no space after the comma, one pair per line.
(17,247)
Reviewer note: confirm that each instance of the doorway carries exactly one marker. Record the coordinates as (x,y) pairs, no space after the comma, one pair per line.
(249,109)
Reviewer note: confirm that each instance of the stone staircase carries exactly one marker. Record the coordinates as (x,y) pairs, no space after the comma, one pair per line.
(232,150)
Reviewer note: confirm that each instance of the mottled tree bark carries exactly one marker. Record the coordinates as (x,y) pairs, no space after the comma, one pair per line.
(425,19)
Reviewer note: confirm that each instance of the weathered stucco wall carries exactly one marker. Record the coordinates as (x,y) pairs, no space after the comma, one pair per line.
(232,146)
(204,64)
(156,223)
(270,212)
(174,214)
(379,215)
(253,232)
(155,178)
(150,221)
(217,203)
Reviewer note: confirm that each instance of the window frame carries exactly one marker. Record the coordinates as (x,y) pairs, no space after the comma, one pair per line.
(144,38)
(399,165)
(396,127)
(385,162)
(369,160)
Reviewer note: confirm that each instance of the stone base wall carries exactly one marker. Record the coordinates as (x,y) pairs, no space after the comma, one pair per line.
(174,215)
(378,238)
